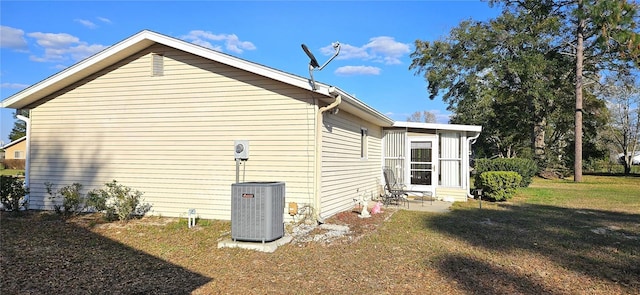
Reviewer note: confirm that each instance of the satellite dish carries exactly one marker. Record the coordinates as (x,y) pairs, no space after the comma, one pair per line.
(313,61)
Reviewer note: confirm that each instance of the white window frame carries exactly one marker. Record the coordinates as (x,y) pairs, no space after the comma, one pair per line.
(446,160)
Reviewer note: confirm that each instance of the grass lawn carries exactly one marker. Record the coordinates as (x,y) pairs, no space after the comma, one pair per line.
(11,172)
(555,237)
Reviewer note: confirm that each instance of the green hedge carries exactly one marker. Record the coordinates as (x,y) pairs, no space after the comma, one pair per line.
(499,185)
(12,193)
(525,167)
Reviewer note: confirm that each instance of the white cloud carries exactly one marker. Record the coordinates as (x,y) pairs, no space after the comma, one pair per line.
(14,85)
(231,42)
(51,40)
(87,23)
(234,44)
(347,52)
(62,46)
(91,25)
(104,20)
(357,70)
(382,49)
(207,44)
(388,49)
(12,38)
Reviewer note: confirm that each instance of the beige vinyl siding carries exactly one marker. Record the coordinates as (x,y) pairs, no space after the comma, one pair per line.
(172,136)
(345,174)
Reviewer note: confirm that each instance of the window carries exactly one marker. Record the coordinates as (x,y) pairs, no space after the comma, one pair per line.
(157,65)
(18,154)
(450,160)
(394,144)
(363,143)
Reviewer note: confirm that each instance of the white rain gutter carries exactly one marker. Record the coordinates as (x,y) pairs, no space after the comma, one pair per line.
(318,155)
(469,143)
(27,161)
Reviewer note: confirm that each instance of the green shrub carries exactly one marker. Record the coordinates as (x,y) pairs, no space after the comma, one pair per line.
(525,167)
(73,201)
(119,202)
(499,185)
(12,193)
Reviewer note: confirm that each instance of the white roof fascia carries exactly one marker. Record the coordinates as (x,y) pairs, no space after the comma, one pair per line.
(130,46)
(145,39)
(355,106)
(13,142)
(436,126)
(230,60)
(77,71)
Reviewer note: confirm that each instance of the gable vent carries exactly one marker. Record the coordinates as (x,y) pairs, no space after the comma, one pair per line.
(157,65)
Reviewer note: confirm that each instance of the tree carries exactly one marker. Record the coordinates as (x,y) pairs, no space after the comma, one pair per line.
(601,33)
(504,74)
(622,94)
(531,62)
(424,116)
(19,127)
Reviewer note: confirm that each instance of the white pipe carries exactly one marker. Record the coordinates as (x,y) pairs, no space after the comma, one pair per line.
(27,161)
(318,154)
(469,143)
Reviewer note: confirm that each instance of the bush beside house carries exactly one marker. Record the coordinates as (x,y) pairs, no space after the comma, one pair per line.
(525,167)
(12,193)
(499,185)
(116,201)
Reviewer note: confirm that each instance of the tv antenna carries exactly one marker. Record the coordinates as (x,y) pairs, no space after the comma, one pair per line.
(313,62)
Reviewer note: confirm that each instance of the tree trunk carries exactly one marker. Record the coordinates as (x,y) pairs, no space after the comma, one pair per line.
(627,168)
(577,165)
(625,153)
(539,144)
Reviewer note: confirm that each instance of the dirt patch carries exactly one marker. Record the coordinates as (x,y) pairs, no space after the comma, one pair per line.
(344,227)
(613,230)
(550,174)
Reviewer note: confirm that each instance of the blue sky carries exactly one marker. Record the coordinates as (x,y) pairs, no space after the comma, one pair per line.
(41,38)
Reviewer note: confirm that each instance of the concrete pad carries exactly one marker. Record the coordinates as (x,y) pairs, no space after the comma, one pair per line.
(269,247)
(436,206)
(428,206)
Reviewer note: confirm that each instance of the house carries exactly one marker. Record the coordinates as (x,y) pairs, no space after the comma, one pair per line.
(16,149)
(162,116)
(431,157)
(635,159)
(15,153)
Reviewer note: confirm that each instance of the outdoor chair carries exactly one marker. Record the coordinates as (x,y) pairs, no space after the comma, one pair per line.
(397,193)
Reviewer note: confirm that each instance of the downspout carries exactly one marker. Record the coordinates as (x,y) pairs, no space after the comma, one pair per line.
(27,161)
(470,141)
(318,155)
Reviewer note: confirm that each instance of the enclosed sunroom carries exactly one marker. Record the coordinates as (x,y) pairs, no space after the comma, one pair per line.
(431,157)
